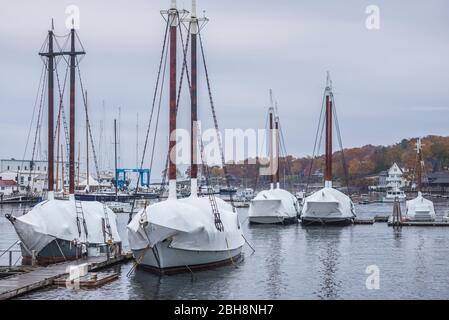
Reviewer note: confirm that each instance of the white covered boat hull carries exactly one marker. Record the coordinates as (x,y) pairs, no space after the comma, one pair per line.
(163,259)
(420,209)
(180,235)
(328,206)
(274,206)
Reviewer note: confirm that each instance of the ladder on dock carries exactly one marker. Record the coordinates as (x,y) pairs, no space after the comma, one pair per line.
(80,218)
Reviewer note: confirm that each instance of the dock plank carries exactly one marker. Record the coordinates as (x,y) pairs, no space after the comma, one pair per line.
(40,277)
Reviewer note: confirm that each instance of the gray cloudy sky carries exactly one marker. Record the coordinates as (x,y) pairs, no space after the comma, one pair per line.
(389,83)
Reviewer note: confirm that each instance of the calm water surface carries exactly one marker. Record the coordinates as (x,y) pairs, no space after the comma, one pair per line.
(293,262)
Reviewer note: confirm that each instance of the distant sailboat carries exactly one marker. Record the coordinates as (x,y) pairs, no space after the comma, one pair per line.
(328,205)
(60,230)
(419,209)
(276,205)
(192,233)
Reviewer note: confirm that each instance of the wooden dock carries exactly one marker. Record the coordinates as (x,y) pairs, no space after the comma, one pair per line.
(41,277)
(363,221)
(422,224)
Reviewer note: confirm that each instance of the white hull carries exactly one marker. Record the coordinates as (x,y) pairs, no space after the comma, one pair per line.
(274,206)
(420,209)
(164,259)
(272,220)
(391,200)
(328,206)
(181,235)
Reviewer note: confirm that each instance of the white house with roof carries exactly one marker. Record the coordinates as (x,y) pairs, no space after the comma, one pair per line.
(394,178)
(7,187)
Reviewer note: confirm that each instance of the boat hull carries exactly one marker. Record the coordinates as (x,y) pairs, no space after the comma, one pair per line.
(342,221)
(61,251)
(273,220)
(162,259)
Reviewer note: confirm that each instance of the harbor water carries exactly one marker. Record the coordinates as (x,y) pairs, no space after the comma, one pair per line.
(292,262)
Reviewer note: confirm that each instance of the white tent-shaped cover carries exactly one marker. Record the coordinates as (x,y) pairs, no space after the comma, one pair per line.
(274,202)
(189,223)
(420,209)
(328,203)
(56,219)
(92,182)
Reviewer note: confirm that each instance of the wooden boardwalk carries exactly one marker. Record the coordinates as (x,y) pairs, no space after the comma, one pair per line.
(40,277)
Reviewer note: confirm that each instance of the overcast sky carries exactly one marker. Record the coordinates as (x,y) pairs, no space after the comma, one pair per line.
(390,83)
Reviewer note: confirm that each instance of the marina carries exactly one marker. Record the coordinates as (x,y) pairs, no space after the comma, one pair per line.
(335,271)
(224,192)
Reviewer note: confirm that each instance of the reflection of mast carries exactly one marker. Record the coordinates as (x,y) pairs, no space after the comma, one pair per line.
(328,156)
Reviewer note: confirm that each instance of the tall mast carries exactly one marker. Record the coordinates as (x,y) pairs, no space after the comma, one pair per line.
(87,149)
(419,168)
(276,132)
(72,115)
(328,156)
(271,142)
(173,20)
(73,53)
(50,68)
(115,158)
(194,100)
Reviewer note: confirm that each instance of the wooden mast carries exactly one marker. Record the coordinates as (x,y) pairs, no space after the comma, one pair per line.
(277,151)
(194,101)
(72,115)
(328,156)
(173,18)
(419,168)
(73,54)
(50,157)
(271,141)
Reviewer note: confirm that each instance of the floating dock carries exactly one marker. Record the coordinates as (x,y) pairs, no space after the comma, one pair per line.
(364,221)
(41,277)
(420,224)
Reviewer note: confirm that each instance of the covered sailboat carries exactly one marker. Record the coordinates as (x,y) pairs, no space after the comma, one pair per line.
(276,205)
(328,205)
(60,230)
(419,208)
(196,232)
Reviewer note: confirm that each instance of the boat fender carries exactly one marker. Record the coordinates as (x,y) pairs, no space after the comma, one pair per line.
(143,221)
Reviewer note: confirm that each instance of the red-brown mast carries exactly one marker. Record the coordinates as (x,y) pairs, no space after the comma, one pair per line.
(194,98)
(328,156)
(72,53)
(277,151)
(420,165)
(273,175)
(50,166)
(72,114)
(173,17)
